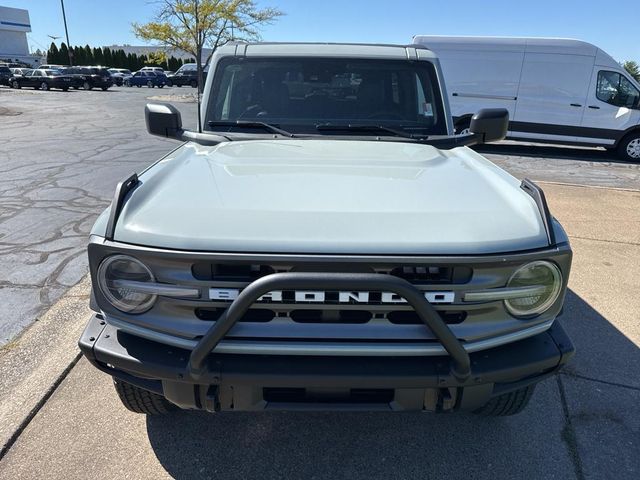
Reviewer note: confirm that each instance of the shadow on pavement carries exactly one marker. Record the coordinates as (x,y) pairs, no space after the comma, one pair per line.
(542,442)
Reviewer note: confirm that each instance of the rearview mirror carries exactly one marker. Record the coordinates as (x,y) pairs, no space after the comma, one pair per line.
(490,124)
(163,120)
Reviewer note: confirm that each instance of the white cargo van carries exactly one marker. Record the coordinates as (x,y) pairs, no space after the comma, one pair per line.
(556,90)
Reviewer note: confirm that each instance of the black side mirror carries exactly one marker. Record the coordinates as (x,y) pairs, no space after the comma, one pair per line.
(490,124)
(163,120)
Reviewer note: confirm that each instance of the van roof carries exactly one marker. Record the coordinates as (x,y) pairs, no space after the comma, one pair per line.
(364,50)
(566,46)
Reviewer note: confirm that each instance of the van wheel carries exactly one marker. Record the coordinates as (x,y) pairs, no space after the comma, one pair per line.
(142,401)
(507,403)
(462,127)
(629,147)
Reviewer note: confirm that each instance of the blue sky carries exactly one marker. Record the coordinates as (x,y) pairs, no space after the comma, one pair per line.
(612,26)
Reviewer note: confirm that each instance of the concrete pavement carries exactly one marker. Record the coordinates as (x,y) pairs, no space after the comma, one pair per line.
(585,423)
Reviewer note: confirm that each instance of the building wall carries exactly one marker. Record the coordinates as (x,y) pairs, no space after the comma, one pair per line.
(14,25)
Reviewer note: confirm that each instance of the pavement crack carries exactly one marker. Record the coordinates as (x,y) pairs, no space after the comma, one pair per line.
(568,434)
(605,240)
(41,403)
(597,380)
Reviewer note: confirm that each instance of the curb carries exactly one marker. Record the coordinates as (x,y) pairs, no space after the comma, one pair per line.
(28,377)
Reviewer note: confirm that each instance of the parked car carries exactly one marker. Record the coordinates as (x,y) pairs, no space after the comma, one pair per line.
(91,76)
(147,78)
(257,266)
(43,80)
(5,75)
(52,67)
(119,75)
(556,90)
(184,77)
(20,71)
(152,69)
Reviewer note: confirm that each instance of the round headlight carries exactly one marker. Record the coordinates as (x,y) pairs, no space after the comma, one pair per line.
(544,275)
(117,276)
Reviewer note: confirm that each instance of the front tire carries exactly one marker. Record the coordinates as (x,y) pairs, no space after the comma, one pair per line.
(87,86)
(138,400)
(104,89)
(507,404)
(629,147)
(44,86)
(16,84)
(149,84)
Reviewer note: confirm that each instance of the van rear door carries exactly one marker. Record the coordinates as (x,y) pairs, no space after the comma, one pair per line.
(612,106)
(552,96)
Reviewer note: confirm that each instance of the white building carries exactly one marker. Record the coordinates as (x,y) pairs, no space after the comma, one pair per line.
(14,25)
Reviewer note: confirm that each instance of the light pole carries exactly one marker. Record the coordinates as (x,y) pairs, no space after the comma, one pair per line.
(66,32)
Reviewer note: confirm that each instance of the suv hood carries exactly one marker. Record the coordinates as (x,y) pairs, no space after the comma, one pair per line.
(329,196)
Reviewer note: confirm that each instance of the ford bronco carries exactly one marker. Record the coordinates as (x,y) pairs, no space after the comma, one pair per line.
(325,241)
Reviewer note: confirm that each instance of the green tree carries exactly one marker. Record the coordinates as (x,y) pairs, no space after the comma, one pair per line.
(64,54)
(98,56)
(192,25)
(88,56)
(107,58)
(157,58)
(53,55)
(633,68)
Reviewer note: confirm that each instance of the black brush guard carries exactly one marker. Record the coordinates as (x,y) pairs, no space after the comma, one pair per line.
(460,363)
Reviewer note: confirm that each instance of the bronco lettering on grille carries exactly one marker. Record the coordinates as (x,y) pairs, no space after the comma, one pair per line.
(312,296)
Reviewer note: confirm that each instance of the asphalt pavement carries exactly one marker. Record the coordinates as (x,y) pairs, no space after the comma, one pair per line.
(60,418)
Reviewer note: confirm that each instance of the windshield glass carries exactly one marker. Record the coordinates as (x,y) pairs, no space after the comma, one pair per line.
(298,94)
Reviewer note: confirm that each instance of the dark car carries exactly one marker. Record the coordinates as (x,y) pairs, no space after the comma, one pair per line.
(148,78)
(185,77)
(43,80)
(5,75)
(90,77)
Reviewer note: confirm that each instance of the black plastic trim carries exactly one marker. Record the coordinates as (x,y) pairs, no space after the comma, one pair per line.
(337,281)
(538,196)
(123,188)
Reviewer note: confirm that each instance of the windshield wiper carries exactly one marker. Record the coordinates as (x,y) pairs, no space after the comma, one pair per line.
(368,128)
(250,124)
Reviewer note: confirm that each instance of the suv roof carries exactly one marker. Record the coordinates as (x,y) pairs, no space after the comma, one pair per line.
(350,50)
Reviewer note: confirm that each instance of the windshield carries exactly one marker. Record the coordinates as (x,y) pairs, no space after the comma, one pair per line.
(298,94)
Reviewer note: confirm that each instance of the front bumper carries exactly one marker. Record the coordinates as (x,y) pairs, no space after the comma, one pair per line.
(257,382)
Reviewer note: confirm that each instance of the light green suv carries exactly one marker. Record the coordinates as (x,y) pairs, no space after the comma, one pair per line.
(325,241)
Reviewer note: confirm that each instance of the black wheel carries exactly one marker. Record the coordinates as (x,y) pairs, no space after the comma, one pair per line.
(507,403)
(629,147)
(87,86)
(150,84)
(139,86)
(193,83)
(65,89)
(44,86)
(160,86)
(15,84)
(104,89)
(142,401)
(462,127)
